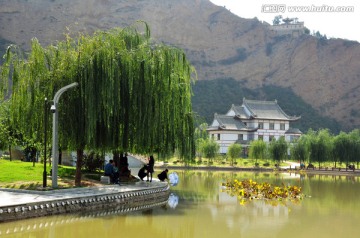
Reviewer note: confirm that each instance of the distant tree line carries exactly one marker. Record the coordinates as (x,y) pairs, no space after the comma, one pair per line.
(314,147)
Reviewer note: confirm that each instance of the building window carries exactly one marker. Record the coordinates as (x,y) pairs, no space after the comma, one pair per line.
(282,126)
(271,126)
(261,125)
(271,138)
(260,137)
(218,136)
(240,137)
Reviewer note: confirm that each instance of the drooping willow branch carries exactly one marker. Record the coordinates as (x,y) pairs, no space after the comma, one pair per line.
(132,96)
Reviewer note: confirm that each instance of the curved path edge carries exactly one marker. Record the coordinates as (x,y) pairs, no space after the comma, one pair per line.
(16,204)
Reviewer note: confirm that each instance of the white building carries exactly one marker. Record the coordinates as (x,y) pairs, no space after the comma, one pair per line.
(253,120)
(290,26)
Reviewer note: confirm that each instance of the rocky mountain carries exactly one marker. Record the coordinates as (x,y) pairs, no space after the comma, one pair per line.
(325,73)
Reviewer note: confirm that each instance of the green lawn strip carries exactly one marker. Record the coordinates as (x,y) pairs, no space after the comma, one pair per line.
(23,175)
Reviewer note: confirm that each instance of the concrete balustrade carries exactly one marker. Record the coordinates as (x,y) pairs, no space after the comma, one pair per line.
(112,196)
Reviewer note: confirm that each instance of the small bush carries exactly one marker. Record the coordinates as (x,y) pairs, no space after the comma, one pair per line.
(93,161)
(66,171)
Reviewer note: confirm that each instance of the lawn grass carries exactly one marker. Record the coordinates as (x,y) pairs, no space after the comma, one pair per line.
(12,171)
(23,175)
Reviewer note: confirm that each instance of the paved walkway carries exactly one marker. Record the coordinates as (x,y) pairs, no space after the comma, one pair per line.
(10,197)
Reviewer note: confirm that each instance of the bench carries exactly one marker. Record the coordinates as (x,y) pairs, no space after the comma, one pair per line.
(105,179)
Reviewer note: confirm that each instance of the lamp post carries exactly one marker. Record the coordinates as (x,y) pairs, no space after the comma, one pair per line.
(45,139)
(55,145)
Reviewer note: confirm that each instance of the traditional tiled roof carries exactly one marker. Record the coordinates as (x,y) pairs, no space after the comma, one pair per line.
(239,111)
(267,110)
(293,131)
(229,123)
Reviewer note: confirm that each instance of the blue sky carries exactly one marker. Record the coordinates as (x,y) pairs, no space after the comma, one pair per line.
(335,19)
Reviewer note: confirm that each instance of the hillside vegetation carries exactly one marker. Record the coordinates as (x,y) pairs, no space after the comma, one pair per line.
(217,96)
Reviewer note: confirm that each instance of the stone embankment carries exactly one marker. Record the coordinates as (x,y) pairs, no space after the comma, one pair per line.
(18,204)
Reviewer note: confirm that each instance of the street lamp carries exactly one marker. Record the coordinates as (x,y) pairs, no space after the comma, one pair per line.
(55,145)
(45,139)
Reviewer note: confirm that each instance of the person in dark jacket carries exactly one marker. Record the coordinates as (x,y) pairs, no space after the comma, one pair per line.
(110,171)
(143,172)
(150,167)
(163,175)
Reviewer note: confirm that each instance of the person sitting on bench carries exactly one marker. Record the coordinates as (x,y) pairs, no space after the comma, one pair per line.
(110,171)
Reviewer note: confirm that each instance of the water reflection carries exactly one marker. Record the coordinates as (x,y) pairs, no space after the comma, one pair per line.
(197,207)
(173,200)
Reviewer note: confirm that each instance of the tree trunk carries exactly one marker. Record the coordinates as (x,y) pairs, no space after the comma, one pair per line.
(60,155)
(10,152)
(116,157)
(79,154)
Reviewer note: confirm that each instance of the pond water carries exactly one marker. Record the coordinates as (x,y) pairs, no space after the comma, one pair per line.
(198,207)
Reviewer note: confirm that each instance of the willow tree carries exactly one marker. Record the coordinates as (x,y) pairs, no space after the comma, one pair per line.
(258,149)
(278,150)
(133,95)
(299,150)
(320,146)
(234,152)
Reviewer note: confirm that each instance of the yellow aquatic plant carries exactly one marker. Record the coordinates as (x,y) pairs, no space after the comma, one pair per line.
(249,189)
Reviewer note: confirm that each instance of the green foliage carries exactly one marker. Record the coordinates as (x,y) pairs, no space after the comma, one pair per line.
(3,44)
(294,105)
(234,152)
(299,150)
(133,95)
(201,136)
(323,147)
(277,19)
(66,171)
(9,135)
(209,148)
(278,149)
(216,96)
(320,146)
(200,132)
(93,161)
(346,147)
(307,31)
(3,128)
(258,150)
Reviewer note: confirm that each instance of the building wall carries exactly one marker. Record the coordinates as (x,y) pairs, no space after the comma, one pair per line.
(226,138)
(267,132)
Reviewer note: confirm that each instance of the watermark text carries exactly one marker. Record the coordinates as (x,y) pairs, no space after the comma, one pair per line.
(282,8)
